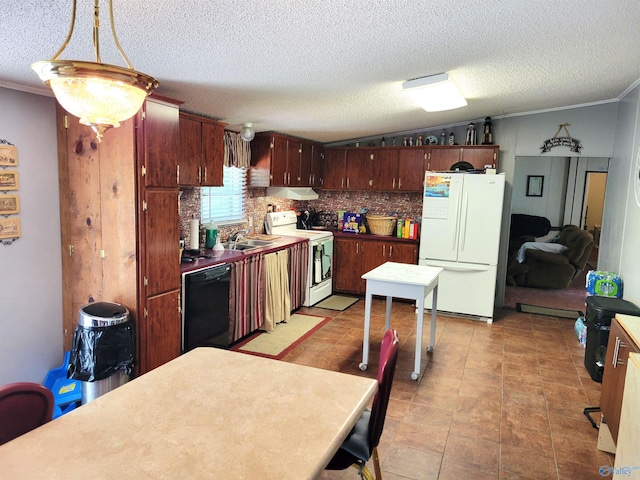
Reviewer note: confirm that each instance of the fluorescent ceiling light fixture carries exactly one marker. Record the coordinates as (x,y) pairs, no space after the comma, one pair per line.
(101,95)
(435,93)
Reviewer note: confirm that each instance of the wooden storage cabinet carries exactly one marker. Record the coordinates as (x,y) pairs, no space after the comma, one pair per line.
(119,223)
(397,169)
(317,156)
(353,257)
(284,161)
(444,157)
(618,349)
(201,157)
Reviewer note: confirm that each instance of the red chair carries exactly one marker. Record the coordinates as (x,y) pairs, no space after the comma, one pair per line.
(362,442)
(23,407)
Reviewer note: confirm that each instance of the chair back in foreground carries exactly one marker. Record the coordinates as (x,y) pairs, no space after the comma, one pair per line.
(23,407)
(363,439)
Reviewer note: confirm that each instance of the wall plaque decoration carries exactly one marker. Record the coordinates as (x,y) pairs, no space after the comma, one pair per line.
(9,180)
(534,185)
(556,141)
(9,228)
(9,204)
(8,155)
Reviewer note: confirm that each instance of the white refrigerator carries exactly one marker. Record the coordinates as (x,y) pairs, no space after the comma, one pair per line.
(461,221)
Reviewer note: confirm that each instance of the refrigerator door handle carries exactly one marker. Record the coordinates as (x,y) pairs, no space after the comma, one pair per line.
(463,220)
(479,268)
(456,233)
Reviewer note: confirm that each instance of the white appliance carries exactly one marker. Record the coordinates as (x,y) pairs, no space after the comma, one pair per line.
(461,221)
(320,263)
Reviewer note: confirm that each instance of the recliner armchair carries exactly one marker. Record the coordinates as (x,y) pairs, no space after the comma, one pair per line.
(543,269)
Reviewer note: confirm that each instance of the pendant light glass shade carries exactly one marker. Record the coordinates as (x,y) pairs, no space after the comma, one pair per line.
(101,95)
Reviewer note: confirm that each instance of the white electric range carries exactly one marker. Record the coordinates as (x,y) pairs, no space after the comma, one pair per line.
(320,263)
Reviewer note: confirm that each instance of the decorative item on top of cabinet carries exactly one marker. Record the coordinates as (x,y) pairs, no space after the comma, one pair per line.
(471,134)
(487,135)
(201,151)
(284,161)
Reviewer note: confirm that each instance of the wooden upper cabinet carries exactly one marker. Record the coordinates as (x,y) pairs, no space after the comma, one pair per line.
(317,156)
(201,157)
(160,141)
(334,169)
(281,161)
(443,158)
(383,170)
(306,163)
(212,154)
(411,168)
(358,173)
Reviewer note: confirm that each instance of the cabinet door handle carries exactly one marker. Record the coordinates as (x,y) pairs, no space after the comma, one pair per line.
(347,182)
(390,251)
(205,176)
(357,249)
(384,248)
(199,174)
(289,178)
(399,184)
(394,184)
(342,182)
(616,348)
(284,178)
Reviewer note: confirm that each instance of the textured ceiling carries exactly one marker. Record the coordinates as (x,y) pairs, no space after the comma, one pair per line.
(332,70)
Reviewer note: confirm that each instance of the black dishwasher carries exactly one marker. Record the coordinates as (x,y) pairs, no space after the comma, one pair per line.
(205,308)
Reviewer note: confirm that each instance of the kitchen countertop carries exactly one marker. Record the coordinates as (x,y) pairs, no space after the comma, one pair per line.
(631,325)
(370,236)
(209,258)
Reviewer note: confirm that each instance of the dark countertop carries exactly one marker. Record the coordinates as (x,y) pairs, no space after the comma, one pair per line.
(209,258)
(369,236)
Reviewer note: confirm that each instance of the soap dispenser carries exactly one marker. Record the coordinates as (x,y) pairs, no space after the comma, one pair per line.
(218,247)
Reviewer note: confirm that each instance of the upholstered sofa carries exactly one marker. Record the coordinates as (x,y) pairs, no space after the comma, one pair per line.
(546,269)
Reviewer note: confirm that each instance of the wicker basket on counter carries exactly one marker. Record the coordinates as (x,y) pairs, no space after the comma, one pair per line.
(381,225)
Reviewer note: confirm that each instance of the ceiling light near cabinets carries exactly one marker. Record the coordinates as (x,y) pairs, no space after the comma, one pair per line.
(101,95)
(247,133)
(434,93)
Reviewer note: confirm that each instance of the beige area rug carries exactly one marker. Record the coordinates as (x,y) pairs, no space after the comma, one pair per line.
(337,302)
(284,338)
(549,312)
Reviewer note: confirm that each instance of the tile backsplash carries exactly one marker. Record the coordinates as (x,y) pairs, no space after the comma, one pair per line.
(382,203)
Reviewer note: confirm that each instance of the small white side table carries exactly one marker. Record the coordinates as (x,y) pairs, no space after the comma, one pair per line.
(402,280)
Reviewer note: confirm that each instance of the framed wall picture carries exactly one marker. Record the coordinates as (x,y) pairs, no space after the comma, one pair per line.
(9,228)
(8,155)
(9,180)
(534,185)
(9,204)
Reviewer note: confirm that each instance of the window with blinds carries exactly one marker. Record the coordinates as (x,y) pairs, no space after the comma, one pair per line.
(225,205)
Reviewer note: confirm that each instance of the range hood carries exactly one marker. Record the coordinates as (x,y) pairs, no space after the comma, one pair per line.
(293,193)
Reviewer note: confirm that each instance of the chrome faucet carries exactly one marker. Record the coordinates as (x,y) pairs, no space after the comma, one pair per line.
(236,236)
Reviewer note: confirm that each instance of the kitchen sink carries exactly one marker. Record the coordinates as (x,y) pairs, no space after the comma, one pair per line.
(248,244)
(255,243)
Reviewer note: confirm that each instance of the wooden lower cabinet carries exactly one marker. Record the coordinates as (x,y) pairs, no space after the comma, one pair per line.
(162,329)
(618,349)
(353,257)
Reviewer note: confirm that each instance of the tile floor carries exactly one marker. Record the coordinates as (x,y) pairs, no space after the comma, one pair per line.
(501,401)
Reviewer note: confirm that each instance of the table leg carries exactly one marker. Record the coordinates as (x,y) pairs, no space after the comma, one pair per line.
(434,304)
(387,321)
(419,319)
(365,335)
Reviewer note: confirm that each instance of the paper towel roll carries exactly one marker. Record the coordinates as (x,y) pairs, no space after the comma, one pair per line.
(194,241)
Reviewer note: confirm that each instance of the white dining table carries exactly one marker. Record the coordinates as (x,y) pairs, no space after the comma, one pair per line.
(407,281)
(209,414)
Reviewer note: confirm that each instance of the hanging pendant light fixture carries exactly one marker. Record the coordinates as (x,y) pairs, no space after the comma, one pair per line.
(101,95)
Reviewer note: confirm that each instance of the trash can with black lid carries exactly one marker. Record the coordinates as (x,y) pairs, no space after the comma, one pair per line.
(600,311)
(103,349)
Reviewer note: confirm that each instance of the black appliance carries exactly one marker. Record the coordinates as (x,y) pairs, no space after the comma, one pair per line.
(205,308)
(600,311)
